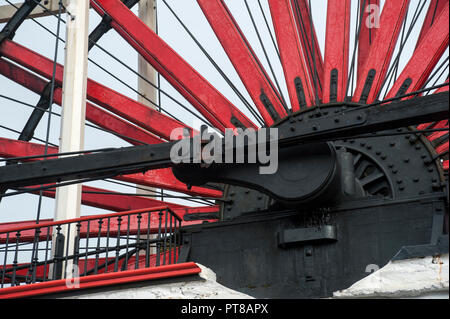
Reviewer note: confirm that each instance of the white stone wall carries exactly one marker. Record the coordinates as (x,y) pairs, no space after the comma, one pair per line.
(412,278)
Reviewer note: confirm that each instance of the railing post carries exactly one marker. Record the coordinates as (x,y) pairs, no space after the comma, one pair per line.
(58,255)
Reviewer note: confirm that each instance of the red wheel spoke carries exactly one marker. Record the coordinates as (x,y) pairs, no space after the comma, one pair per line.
(133,111)
(445,165)
(94,114)
(366,33)
(442,148)
(434,10)
(379,58)
(91,196)
(437,135)
(424,59)
(244,60)
(164,178)
(336,51)
(308,38)
(199,92)
(292,58)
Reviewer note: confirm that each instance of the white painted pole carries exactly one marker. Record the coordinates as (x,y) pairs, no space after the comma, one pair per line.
(147,13)
(68,198)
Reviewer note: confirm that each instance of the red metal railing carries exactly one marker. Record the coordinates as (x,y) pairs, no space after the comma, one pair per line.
(89,246)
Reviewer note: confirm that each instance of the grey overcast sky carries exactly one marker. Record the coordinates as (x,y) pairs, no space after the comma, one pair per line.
(13,115)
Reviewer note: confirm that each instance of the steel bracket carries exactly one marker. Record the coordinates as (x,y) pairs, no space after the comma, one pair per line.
(300,236)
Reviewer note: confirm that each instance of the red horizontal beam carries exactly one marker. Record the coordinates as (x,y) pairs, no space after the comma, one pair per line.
(101,280)
(291,54)
(199,92)
(424,58)
(113,201)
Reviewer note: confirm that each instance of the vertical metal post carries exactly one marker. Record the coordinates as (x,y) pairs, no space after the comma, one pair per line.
(68,198)
(147,13)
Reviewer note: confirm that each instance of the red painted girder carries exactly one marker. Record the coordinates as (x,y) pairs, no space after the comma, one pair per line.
(291,54)
(196,89)
(434,10)
(101,280)
(164,178)
(161,178)
(133,111)
(94,114)
(309,40)
(366,34)
(445,165)
(243,58)
(14,148)
(114,202)
(27,228)
(381,50)
(426,56)
(336,50)
(140,114)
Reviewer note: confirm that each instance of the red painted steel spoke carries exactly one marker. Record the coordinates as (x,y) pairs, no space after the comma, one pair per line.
(442,148)
(336,50)
(133,111)
(366,33)
(114,202)
(94,114)
(434,10)
(199,92)
(437,135)
(308,38)
(379,58)
(164,178)
(445,165)
(161,178)
(244,60)
(292,58)
(425,58)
